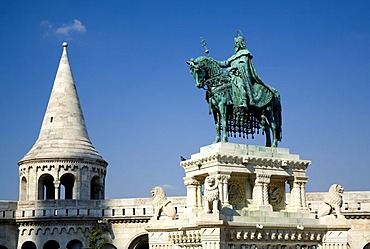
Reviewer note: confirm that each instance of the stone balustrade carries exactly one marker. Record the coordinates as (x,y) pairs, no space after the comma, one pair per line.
(354,203)
(94,209)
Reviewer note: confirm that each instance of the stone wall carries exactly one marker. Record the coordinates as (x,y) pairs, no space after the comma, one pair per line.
(8,227)
(125,220)
(121,220)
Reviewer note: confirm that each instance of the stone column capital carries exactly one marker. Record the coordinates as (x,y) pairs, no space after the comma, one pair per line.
(263,178)
(192,181)
(300,180)
(223,177)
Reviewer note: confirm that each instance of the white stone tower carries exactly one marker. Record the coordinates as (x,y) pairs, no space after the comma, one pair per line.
(63,163)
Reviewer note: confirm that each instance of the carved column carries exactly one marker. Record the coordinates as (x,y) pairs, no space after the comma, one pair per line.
(257,194)
(260,191)
(101,186)
(297,194)
(57,188)
(76,187)
(303,194)
(265,194)
(223,180)
(194,198)
(199,199)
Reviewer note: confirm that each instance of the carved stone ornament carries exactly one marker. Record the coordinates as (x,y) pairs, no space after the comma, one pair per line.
(162,206)
(211,194)
(236,193)
(333,201)
(275,194)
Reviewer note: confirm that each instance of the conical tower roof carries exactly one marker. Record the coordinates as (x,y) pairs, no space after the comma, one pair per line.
(63,133)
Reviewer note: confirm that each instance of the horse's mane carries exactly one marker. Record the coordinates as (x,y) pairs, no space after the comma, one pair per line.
(211,64)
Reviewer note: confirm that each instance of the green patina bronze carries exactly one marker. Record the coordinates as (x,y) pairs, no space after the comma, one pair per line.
(241,103)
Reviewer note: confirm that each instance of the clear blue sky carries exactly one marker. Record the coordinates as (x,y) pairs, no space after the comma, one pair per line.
(139,100)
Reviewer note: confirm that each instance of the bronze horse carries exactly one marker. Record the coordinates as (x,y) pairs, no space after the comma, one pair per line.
(228,117)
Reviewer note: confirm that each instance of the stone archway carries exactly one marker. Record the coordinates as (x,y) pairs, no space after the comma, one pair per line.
(46,189)
(95,188)
(109,246)
(140,242)
(28,245)
(23,191)
(51,244)
(74,244)
(67,182)
(3,247)
(367,246)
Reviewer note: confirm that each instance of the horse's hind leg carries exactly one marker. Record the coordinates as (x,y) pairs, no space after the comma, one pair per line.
(272,127)
(274,135)
(268,135)
(272,124)
(266,129)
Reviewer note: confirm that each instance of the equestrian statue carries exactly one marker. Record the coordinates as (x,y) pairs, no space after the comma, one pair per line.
(240,102)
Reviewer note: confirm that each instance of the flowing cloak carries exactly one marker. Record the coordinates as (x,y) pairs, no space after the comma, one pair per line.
(259,93)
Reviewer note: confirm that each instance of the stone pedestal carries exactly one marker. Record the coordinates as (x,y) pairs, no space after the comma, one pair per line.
(252,177)
(249,183)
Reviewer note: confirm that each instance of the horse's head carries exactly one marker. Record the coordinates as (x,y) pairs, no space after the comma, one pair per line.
(198,72)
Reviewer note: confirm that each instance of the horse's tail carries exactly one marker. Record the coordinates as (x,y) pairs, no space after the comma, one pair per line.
(278,116)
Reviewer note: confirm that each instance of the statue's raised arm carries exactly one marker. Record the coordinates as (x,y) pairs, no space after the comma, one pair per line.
(239,100)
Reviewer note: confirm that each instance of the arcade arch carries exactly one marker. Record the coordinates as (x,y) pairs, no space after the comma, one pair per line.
(23,192)
(51,244)
(67,182)
(74,244)
(367,246)
(28,245)
(46,188)
(109,246)
(140,242)
(95,188)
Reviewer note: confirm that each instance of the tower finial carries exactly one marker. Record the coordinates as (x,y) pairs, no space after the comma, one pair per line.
(65,44)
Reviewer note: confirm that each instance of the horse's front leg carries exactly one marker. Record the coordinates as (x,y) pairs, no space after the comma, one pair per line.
(216,118)
(222,108)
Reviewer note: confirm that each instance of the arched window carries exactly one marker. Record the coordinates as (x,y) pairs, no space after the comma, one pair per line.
(3,247)
(28,245)
(67,182)
(74,244)
(141,242)
(51,244)
(95,188)
(24,193)
(367,246)
(46,188)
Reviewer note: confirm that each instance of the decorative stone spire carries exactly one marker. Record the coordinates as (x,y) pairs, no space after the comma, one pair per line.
(63,132)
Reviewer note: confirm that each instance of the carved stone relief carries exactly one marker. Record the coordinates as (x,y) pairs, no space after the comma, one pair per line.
(276,192)
(236,194)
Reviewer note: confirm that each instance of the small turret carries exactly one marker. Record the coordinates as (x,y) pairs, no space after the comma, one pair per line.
(62,163)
